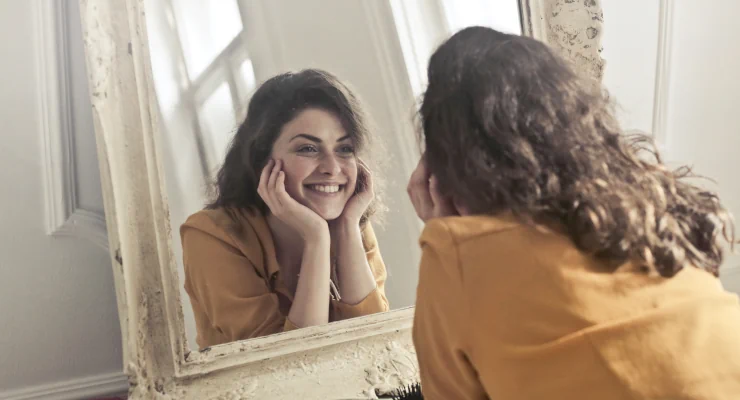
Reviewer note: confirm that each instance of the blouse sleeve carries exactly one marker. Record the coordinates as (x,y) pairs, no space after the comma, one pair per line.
(236,300)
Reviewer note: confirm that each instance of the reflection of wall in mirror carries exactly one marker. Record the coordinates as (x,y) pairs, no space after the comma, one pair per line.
(208,56)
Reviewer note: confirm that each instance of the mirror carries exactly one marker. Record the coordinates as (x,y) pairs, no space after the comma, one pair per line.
(208,60)
(148,124)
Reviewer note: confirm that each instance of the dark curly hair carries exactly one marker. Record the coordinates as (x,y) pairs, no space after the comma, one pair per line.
(275,103)
(509,126)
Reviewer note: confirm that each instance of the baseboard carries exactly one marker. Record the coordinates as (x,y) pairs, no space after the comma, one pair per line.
(73,389)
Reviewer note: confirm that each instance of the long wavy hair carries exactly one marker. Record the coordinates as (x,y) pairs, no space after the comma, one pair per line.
(509,126)
(275,103)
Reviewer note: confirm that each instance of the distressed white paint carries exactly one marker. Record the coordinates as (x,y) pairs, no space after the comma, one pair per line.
(574,27)
(60,334)
(346,359)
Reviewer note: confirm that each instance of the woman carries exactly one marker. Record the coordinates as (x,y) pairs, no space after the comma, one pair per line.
(557,262)
(287,242)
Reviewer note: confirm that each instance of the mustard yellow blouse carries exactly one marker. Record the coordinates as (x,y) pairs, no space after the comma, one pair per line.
(233,278)
(507,311)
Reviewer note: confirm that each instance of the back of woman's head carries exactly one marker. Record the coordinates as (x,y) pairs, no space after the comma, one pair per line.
(275,103)
(510,127)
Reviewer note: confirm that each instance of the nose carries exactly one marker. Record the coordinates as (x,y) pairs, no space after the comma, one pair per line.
(329,165)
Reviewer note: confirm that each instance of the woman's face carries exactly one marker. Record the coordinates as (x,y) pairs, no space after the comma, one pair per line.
(318,160)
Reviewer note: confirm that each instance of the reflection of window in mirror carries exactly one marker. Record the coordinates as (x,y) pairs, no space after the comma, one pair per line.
(422,25)
(203,77)
(205,29)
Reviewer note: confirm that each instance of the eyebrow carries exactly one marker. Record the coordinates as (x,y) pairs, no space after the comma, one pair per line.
(314,138)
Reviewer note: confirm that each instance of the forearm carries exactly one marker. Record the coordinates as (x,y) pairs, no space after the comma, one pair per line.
(355,278)
(311,302)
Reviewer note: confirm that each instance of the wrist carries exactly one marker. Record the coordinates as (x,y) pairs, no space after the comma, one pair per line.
(319,235)
(345,224)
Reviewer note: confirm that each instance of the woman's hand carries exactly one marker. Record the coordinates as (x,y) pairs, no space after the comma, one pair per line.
(361,199)
(354,276)
(272,190)
(423,189)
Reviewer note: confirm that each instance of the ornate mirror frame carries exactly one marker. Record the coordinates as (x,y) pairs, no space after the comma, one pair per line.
(348,359)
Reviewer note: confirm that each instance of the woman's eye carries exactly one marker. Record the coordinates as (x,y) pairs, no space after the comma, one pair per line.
(307,149)
(347,150)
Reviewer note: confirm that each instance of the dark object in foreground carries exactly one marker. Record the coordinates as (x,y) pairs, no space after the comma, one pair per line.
(410,392)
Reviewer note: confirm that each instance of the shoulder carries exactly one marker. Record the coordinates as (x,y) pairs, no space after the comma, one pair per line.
(230,226)
(491,245)
(458,231)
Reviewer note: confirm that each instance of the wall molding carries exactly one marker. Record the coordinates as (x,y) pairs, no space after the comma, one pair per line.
(110,384)
(64,216)
(663,76)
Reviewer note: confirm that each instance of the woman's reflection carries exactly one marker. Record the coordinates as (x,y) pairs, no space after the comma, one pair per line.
(287,241)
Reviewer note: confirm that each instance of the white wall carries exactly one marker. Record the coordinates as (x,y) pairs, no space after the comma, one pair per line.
(59,330)
(693,114)
(630,49)
(704,99)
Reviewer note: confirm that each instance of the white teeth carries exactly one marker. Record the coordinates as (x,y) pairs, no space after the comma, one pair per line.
(326,188)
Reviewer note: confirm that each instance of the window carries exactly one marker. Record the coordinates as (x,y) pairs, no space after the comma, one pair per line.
(424,24)
(202,74)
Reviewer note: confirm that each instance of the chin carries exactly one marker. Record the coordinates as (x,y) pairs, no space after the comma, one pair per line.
(328,215)
(327,208)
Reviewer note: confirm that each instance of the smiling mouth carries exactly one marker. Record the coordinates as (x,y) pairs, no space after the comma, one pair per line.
(326,189)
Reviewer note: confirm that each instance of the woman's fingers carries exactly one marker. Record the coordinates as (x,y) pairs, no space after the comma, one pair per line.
(420,176)
(364,179)
(273,176)
(369,188)
(425,194)
(280,194)
(434,194)
(443,206)
(268,182)
(460,207)
(264,179)
(272,185)
(418,190)
(422,201)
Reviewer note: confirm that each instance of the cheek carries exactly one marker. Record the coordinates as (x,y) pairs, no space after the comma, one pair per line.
(296,169)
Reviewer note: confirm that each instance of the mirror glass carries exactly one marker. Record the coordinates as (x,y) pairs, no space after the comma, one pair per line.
(245,272)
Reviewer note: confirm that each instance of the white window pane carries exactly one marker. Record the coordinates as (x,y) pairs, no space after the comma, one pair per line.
(206,27)
(246,71)
(218,122)
(163,56)
(502,15)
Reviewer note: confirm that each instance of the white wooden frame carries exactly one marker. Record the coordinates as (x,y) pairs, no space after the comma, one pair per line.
(348,359)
